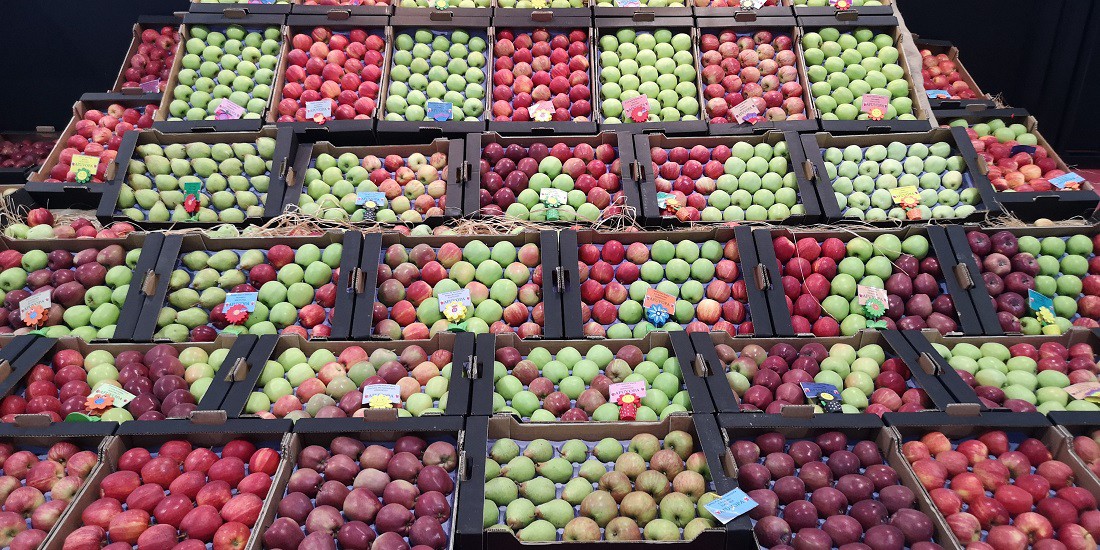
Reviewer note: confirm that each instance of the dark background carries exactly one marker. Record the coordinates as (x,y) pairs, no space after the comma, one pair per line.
(1036,54)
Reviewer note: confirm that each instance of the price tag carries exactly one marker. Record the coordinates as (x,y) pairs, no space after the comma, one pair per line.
(151,87)
(900,194)
(246,299)
(875,106)
(543,111)
(39,299)
(192,188)
(1084,390)
(746,111)
(551,194)
(84,167)
(937,94)
(1017,149)
(227,110)
(392,391)
(654,296)
(319,111)
(439,110)
(628,3)
(615,391)
(864,293)
(730,505)
(752,4)
(637,108)
(814,389)
(1061,182)
(461,296)
(841,4)
(376,197)
(121,397)
(1037,301)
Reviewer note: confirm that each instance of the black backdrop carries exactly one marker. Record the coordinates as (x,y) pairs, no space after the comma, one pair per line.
(1037,54)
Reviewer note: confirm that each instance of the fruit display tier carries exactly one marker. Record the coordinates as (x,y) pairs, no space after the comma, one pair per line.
(240,178)
(874,372)
(804,8)
(942,70)
(419,183)
(829,278)
(301,379)
(222,59)
(628,482)
(830,481)
(939,168)
(21,152)
(549,382)
(699,276)
(506,282)
(221,7)
(150,58)
(724,179)
(1009,479)
(512,173)
(217,478)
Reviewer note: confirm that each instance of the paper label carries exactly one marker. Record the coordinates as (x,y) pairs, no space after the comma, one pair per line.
(391,391)
(121,397)
(813,390)
(543,111)
(615,391)
(637,108)
(938,94)
(461,296)
(864,293)
(730,505)
(628,3)
(1060,182)
(1084,390)
(746,111)
(377,197)
(899,194)
(40,299)
(662,199)
(227,110)
(875,105)
(84,167)
(192,188)
(151,87)
(654,296)
(752,4)
(315,109)
(246,299)
(1037,301)
(1017,149)
(439,110)
(549,193)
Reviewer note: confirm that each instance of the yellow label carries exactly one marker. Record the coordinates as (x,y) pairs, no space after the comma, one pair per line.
(85,162)
(901,193)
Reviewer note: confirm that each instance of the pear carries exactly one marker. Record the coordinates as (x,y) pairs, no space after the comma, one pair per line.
(205,278)
(265,146)
(574,451)
(592,470)
(608,449)
(519,514)
(242,150)
(557,512)
(158,213)
(183,298)
(501,490)
(539,531)
(575,490)
(557,469)
(504,450)
(538,490)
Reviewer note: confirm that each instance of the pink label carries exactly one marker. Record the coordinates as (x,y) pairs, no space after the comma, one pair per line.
(637,108)
(746,111)
(618,390)
(873,101)
(151,87)
(864,293)
(227,110)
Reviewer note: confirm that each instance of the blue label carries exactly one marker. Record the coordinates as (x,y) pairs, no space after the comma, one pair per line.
(378,198)
(730,505)
(662,199)
(1017,149)
(813,390)
(439,110)
(1062,181)
(938,94)
(1037,302)
(246,299)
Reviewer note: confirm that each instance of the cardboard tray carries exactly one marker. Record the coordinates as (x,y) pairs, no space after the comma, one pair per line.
(269,349)
(304,154)
(349,283)
(746,14)
(642,13)
(746,22)
(218,21)
(755,277)
(244,8)
(1030,206)
(19,175)
(866,427)
(361,130)
(108,212)
(18,356)
(958,281)
(546,15)
(844,15)
(647,179)
(374,252)
(522,20)
(814,170)
(342,11)
(73,194)
(471,533)
(693,367)
(647,21)
(1075,424)
(925,374)
(144,22)
(982,102)
(925,119)
(475,143)
(407,131)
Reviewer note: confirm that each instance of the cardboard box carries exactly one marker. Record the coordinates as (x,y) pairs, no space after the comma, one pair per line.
(108,207)
(306,153)
(857,427)
(814,170)
(621,141)
(18,355)
(641,13)
(19,175)
(982,102)
(359,130)
(750,271)
(693,369)
(458,393)
(241,9)
(215,21)
(343,9)
(744,24)
(546,14)
(954,281)
(73,194)
(892,26)
(155,22)
(887,8)
(524,21)
(1030,206)
(407,131)
(924,372)
(745,12)
(471,533)
(647,21)
(647,184)
(1074,424)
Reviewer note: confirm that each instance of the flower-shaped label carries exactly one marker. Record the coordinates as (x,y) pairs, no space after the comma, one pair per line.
(380,402)
(191,204)
(381,396)
(236,314)
(454,312)
(440,4)
(842,4)
(1043,306)
(319,111)
(628,407)
(98,403)
(874,308)
(34,309)
(191,191)
(1071,181)
(637,108)
(84,167)
(875,106)
(543,111)
(657,315)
